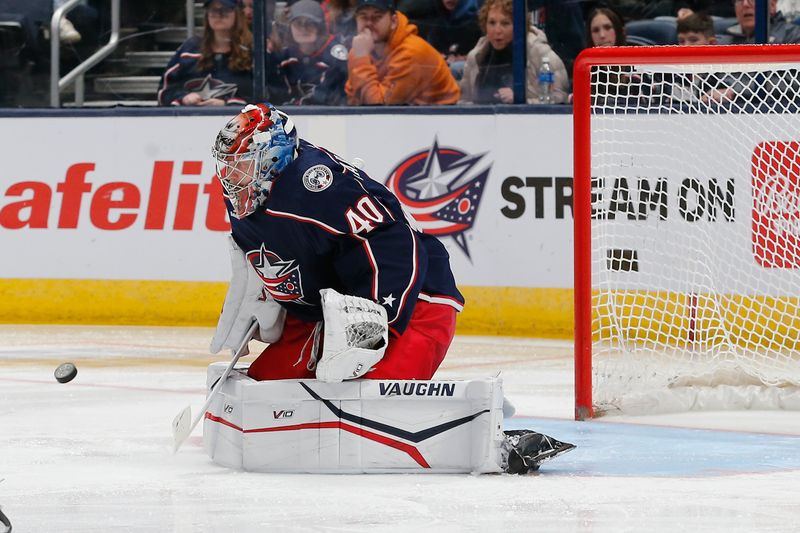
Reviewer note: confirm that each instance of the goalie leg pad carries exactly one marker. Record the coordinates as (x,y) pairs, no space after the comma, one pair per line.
(356,426)
(245,301)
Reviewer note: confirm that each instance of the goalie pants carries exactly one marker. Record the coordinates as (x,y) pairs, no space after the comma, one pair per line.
(416,354)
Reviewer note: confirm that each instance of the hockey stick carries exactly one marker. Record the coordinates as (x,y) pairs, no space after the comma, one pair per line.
(181,429)
(5,522)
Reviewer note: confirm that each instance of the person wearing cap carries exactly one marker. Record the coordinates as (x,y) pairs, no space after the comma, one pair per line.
(215,68)
(312,69)
(389,64)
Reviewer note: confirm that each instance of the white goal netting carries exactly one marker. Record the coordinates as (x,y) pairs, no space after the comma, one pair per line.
(695,237)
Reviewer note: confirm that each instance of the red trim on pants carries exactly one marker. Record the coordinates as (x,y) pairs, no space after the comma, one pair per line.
(416,354)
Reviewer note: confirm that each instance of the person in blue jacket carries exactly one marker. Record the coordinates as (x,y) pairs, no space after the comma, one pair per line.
(312,68)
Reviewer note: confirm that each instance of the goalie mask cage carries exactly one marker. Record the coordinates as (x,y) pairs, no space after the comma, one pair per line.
(687,229)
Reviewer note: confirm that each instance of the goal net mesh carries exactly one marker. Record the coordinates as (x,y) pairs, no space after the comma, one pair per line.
(695,246)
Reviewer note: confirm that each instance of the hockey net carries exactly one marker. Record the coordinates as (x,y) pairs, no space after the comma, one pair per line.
(687,229)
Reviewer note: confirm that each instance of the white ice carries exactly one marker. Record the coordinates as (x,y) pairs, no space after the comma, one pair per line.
(95,454)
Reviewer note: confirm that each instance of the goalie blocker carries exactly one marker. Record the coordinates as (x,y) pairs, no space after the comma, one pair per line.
(366,426)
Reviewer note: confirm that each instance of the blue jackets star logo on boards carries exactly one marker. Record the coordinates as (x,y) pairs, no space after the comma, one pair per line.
(441,189)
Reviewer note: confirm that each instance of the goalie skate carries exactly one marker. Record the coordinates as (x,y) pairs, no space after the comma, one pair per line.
(528,449)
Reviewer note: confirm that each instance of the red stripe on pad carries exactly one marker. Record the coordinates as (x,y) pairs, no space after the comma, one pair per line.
(380,439)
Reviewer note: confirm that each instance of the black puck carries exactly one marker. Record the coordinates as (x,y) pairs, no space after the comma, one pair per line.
(65,372)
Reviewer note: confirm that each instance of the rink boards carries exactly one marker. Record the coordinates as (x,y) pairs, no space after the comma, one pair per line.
(120,219)
(116,218)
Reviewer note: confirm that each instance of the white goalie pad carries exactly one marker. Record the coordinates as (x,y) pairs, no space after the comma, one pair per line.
(355,339)
(365,426)
(246,301)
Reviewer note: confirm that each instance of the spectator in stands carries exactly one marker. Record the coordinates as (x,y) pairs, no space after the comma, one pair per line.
(390,64)
(215,69)
(604,28)
(450,26)
(488,72)
(780,31)
(247,9)
(312,69)
(341,19)
(697,29)
(749,90)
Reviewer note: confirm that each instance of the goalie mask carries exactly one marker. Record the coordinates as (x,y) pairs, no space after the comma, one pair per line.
(250,151)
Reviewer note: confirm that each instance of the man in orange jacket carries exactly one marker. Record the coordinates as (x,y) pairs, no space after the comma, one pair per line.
(389,64)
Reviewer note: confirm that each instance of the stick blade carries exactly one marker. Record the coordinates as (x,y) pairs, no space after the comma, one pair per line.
(181,427)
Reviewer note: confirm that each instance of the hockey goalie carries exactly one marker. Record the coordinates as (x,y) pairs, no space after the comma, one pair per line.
(358,309)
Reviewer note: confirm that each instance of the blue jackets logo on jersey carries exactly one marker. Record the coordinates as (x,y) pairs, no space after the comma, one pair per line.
(441,189)
(281,278)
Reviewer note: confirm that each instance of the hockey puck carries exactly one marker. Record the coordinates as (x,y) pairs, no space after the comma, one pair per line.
(66,372)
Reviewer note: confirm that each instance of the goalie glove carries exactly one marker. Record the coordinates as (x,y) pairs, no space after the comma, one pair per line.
(356,335)
(245,302)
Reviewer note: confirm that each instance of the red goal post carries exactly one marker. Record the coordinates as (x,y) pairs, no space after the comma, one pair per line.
(593,106)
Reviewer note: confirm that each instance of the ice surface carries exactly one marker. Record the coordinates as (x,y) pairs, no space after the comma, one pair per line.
(95,454)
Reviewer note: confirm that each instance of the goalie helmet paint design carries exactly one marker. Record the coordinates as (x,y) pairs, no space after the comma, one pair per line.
(250,151)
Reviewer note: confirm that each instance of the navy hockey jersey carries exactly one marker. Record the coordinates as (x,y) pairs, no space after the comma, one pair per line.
(317,79)
(326,224)
(183,76)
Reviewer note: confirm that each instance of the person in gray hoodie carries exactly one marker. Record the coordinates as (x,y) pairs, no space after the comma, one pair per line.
(780,31)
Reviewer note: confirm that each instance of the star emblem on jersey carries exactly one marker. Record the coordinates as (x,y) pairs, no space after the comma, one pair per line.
(389,300)
(209,87)
(441,188)
(281,278)
(317,178)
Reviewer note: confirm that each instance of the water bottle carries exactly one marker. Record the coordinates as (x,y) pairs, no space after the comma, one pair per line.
(546,82)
